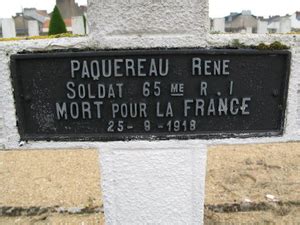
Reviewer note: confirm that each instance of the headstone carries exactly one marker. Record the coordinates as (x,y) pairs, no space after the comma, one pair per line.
(285,25)
(262,27)
(33,28)
(249,30)
(8,28)
(274,27)
(78,25)
(218,25)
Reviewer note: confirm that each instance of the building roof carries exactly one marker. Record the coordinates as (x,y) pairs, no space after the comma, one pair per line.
(274,18)
(43,12)
(234,15)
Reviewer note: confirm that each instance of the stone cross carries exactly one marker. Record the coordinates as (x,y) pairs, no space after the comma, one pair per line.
(152,182)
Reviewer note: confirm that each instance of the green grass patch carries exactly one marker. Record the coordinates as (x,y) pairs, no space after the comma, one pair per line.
(41,37)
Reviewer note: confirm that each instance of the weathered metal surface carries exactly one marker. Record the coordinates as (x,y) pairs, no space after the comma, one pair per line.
(150,94)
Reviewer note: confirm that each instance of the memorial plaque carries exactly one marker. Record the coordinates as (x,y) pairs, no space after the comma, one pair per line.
(150,94)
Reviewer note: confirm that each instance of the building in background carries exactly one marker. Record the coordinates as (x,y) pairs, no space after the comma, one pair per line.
(21,20)
(69,8)
(279,24)
(295,22)
(243,22)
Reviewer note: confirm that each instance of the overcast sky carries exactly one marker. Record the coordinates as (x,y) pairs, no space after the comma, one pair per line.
(218,8)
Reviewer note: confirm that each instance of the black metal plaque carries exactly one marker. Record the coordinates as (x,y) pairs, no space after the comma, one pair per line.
(150,94)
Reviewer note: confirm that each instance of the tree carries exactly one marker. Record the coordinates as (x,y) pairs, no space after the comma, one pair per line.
(57,24)
(84,22)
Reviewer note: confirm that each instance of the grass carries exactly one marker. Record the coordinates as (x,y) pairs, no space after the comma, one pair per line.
(276,45)
(41,37)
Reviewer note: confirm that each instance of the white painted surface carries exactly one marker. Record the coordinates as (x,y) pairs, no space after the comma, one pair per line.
(298,104)
(150,183)
(33,28)
(249,30)
(285,25)
(78,25)
(262,27)
(126,166)
(218,25)
(148,22)
(8,28)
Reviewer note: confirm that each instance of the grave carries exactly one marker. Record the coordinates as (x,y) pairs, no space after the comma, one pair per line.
(78,26)
(33,28)
(262,27)
(151,89)
(8,28)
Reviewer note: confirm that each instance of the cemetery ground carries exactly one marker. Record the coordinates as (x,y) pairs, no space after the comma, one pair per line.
(245,184)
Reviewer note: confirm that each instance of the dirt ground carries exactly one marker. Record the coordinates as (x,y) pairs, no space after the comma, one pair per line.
(56,219)
(260,182)
(62,180)
(245,184)
(49,178)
